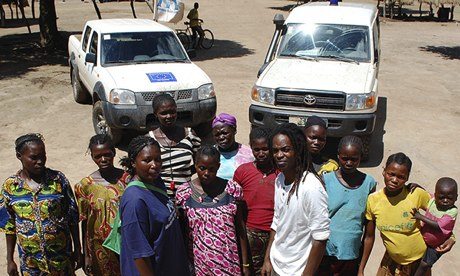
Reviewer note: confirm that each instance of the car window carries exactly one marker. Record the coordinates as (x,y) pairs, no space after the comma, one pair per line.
(326,40)
(141,47)
(93,45)
(85,38)
(376,31)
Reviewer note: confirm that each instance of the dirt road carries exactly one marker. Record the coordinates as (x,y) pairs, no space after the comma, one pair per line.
(419,85)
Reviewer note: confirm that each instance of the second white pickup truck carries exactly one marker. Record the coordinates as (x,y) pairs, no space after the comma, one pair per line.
(120,65)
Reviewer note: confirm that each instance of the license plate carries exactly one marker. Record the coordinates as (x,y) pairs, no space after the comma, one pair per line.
(301,121)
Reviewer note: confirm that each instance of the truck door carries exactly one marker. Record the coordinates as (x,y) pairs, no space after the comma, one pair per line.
(90,71)
(82,53)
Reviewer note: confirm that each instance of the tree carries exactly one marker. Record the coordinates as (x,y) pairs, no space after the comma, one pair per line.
(49,34)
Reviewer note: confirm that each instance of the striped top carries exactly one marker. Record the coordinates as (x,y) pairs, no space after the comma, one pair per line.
(178,160)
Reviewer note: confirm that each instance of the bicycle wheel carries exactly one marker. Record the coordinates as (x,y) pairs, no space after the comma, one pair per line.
(208,39)
(184,39)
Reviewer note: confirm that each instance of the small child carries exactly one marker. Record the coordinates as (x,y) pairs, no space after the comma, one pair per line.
(438,221)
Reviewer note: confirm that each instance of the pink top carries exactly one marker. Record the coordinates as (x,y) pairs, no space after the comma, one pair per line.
(212,233)
(445,220)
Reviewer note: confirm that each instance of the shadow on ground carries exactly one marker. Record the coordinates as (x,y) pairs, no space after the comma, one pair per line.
(18,23)
(21,53)
(377,145)
(445,52)
(284,8)
(223,49)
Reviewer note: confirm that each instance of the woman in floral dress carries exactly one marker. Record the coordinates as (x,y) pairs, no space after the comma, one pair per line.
(98,198)
(214,219)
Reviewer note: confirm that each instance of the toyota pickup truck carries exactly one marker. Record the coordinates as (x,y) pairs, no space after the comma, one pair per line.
(323,60)
(120,65)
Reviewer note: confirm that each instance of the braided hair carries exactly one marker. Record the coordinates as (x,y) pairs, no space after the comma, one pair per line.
(161,99)
(400,159)
(25,139)
(351,140)
(101,139)
(302,156)
(135,146)
(208,150)
(259,133)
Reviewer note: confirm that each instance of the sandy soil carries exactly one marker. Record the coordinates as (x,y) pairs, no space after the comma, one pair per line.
(418,113)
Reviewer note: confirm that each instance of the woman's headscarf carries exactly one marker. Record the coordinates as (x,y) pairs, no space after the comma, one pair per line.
(224,118)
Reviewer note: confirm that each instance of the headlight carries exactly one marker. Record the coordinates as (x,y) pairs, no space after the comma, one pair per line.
(206,91)
(263,94)
(122,96)
(360,101)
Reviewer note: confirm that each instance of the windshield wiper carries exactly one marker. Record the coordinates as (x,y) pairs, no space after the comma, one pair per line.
(301,57)
(340,58)
(169,60)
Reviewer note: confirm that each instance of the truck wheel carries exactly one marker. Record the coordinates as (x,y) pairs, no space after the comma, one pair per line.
(100,124)
(80,94)
(366,146)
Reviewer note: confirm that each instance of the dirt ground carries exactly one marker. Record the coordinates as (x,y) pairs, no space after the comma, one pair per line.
(418,113)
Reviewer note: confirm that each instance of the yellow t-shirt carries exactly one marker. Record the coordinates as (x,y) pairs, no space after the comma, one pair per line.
(399,231)
(194,18)
(328,166)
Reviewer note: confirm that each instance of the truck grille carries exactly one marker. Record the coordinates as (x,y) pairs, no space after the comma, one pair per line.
(318,99)
(177,95)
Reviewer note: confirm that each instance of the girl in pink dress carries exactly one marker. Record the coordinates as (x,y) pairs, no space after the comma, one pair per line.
(214,219)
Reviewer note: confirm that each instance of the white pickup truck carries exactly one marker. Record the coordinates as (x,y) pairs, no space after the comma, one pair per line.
(120,65)
(323,60)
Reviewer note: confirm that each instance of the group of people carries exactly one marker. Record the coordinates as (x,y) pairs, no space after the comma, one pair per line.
(275,207)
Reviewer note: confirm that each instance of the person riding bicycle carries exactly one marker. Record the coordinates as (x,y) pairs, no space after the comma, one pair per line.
(195,25)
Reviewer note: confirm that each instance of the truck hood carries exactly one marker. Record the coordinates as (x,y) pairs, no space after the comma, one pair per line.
(350,78)
(158,76)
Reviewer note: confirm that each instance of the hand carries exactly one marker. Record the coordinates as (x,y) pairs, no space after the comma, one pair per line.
(87,265)
(12,269)
(415,213)
(413,186)
(246,271)
(446,246)
(266,268)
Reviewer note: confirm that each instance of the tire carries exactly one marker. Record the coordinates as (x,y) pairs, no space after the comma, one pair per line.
(100,124)
(80,94)
(208,39)
(367,139)
(184,39)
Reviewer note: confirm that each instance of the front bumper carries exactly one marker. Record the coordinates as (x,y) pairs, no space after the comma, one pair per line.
(140,117)
(339,124)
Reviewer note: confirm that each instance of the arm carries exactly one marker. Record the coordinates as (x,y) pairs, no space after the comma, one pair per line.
(86,252)
(144,267)
(243,238)
(431,223)
(368,243)
(267,266)
(447,245)
(315,257)
(77,256)
(12,268)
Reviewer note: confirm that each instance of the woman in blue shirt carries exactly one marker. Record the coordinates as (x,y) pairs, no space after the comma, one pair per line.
(151,239)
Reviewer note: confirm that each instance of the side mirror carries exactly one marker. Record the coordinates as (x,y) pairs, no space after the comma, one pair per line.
(91,58)
(262,68)
(191,53)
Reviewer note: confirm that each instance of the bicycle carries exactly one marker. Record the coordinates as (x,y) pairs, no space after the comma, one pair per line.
(185,37)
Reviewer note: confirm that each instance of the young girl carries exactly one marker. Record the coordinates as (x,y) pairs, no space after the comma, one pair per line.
(300,225)
(38,210)
(178,145)
(151,239)
(315,132)
(347,190)
(258,182)
(390,210)
(215,221)
(98,196)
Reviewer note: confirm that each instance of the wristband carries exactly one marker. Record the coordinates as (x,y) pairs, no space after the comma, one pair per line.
(245,265)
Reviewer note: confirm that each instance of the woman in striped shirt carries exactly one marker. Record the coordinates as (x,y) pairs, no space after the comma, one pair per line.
(178,145)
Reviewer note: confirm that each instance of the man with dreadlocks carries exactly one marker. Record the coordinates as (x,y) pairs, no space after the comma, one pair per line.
(300,225)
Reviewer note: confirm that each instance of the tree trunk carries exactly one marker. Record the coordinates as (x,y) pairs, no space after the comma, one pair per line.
(49,35)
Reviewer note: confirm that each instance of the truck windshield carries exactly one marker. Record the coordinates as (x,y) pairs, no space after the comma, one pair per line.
(328,41)
(142,47)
